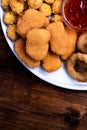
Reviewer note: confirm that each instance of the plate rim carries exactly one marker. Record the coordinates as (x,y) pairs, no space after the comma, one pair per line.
(82,87)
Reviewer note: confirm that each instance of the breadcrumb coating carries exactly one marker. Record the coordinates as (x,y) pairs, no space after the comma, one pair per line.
(45,9)
(16,6)
(9,17)
(11,32)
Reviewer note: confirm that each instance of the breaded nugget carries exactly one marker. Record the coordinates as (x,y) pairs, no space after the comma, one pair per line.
(51,62)
(31,19)
(21,52)
(9,17)
(59,40)
(71,45)
(35,4)
(45,9)
(11,32)
(37,43)
(16,6)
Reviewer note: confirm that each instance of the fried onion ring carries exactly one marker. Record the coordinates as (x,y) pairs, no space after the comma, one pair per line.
(79,74)
(82,42)
(82,65)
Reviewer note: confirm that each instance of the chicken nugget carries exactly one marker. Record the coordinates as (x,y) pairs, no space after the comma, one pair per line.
(71,45)
(16,6)
(58,41)
(51,62)
(31,19)
(11,32)
(35,4)
(21,52)
(37,43)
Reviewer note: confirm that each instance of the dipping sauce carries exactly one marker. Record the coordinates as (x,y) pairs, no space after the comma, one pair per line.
(75,14)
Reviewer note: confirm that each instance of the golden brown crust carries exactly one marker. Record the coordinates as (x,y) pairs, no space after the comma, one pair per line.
(51,62)
(34,4)
(16,6)
(11,32)
(80,75)
(45,9)
(37,43)
(71,45)
(31,19)
(9,18)
(59,39)
(21,52)
(5,5)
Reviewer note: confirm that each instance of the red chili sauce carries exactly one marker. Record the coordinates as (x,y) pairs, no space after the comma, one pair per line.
(76,13)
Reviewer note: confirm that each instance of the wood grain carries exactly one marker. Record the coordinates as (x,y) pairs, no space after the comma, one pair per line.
(28,103)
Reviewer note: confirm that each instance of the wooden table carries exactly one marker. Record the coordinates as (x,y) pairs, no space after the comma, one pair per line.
(28,103)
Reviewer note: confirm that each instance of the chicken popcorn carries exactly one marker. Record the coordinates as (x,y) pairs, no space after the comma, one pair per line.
(56,7)
(5,4)
(11,32)
(16,6)
(45,9)
(35,4)
(41,38)
(57,18)
(9,17)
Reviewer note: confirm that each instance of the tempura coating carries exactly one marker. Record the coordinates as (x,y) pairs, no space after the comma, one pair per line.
(71,45)
(79,75)
(51,62)
(58,41)
(37,43)
(11,32)
(21,52)
(82,42)
(31,19)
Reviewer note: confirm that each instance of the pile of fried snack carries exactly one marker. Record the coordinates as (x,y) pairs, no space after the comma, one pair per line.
(42,39)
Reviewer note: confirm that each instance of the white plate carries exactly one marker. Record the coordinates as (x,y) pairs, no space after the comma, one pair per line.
(59,78)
